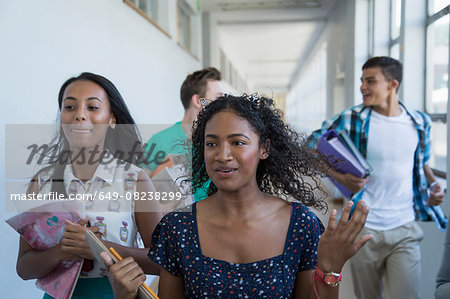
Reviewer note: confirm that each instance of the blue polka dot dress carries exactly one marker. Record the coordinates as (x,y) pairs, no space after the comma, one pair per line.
(176,247)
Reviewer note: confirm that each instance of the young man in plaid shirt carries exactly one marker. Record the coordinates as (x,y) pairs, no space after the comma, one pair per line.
(401,189)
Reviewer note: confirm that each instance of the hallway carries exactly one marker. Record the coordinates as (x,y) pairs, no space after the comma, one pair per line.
(305,54)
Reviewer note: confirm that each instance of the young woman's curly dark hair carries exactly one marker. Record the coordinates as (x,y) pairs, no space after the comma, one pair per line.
(291,169)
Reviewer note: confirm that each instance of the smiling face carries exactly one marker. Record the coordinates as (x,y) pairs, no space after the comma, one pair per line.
(232,152)
(85,115)
(375,88)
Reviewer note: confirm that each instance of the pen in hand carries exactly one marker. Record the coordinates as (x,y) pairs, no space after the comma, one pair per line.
(118,257)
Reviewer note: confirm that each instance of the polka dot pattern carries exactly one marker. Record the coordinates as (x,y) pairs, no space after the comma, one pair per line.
(176,248)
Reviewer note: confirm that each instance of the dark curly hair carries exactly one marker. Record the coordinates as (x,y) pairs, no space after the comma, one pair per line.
(291,169)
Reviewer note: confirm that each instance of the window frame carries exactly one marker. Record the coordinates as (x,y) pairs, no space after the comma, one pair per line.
(391,21)
(435,117)
(429,21)
(395,41)
(147,17)
(181,5)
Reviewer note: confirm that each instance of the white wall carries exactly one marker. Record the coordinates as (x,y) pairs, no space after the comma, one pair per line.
(44,42)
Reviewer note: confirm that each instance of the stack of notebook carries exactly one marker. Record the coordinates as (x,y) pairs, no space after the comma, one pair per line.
(344,157)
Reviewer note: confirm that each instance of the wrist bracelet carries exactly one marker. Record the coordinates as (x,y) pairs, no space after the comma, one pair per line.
(330,279)
(314,284)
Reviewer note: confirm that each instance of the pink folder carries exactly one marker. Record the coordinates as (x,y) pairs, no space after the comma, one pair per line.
(43,228)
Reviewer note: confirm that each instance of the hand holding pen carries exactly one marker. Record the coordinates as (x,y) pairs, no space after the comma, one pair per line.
(125,276)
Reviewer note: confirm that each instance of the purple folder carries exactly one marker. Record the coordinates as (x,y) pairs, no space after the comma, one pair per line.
(341,157)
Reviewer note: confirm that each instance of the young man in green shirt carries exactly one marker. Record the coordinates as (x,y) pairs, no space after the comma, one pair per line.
(201,85)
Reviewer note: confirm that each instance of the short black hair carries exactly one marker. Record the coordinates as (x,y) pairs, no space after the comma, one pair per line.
(196,82)
(390,67)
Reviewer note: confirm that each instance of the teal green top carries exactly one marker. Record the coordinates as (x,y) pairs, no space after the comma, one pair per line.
(88,288)
(169,141)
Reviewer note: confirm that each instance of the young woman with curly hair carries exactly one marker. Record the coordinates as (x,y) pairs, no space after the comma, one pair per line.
(247,239)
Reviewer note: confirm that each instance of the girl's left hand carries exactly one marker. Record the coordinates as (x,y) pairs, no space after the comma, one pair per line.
(74,240)
(338,243)
(125,276)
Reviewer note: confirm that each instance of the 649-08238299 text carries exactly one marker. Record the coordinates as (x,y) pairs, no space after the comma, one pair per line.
(98,195)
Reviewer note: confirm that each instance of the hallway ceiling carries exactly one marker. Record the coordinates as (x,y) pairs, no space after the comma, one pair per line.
(267,40)
(226,5)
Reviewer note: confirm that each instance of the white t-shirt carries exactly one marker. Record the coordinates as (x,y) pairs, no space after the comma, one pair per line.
(392,142)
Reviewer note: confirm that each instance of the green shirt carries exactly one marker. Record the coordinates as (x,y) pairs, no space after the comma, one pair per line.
(168,141)
(172,140)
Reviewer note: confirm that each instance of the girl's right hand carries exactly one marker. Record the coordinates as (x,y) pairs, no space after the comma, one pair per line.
(74,241)
(339,243)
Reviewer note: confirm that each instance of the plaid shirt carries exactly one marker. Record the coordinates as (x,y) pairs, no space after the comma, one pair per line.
(355,121)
